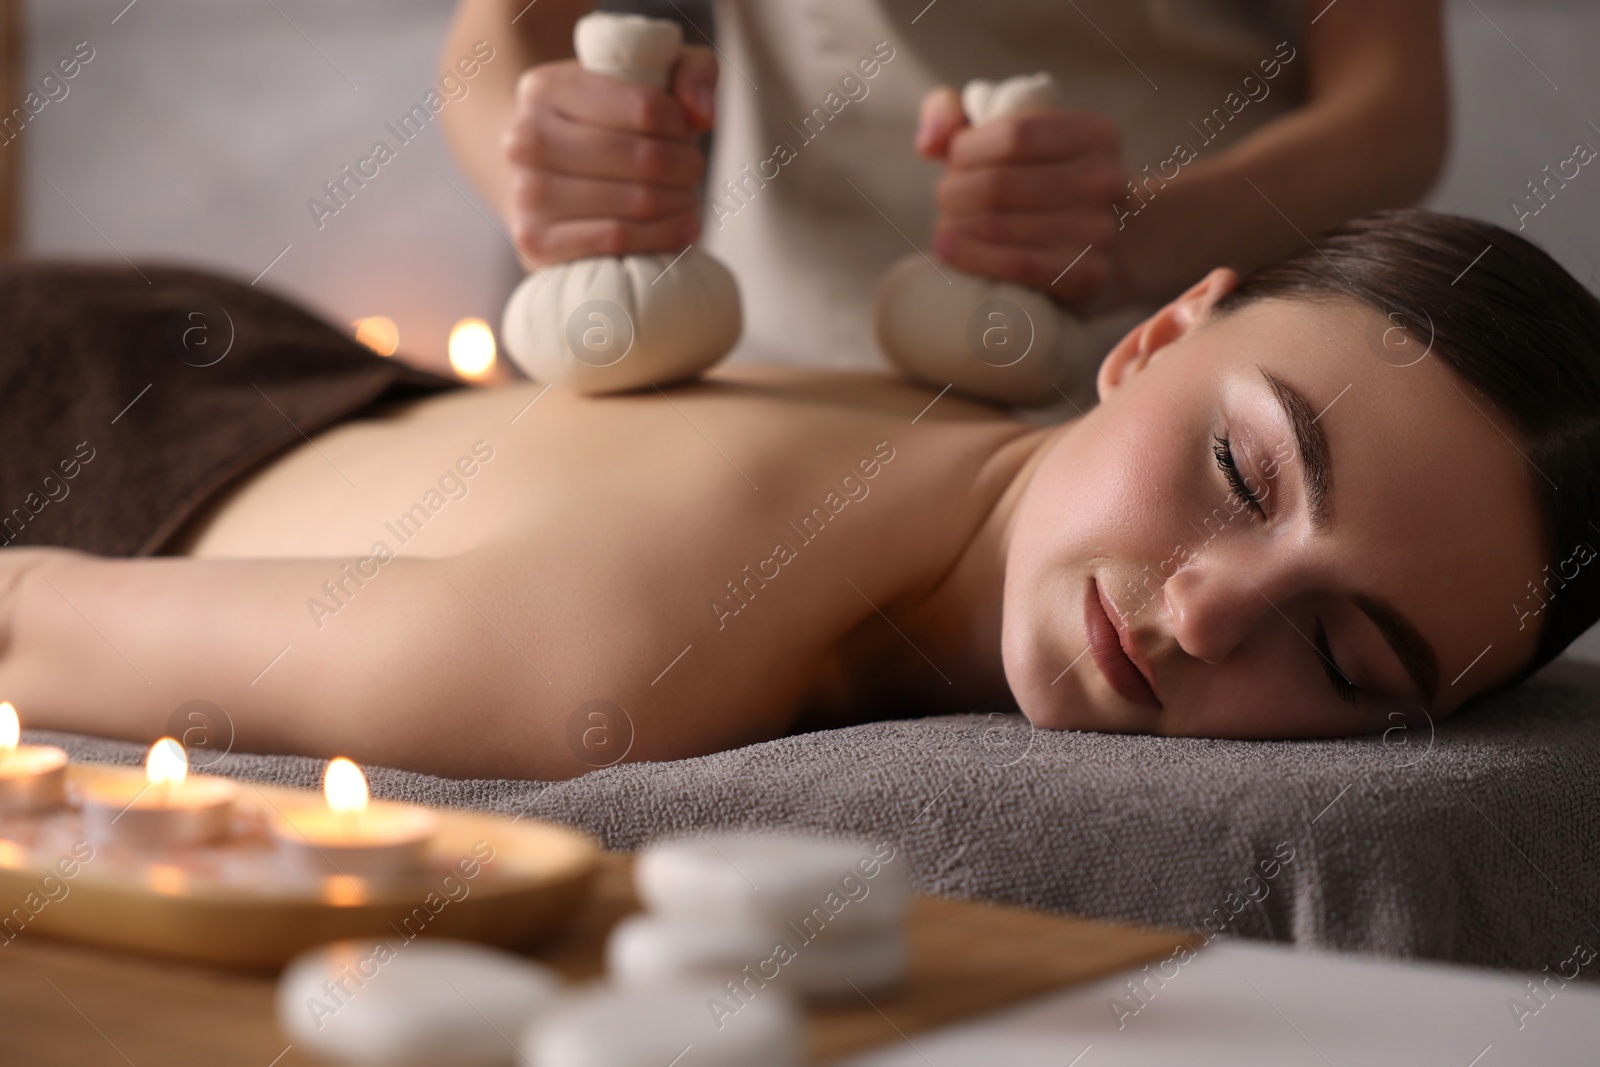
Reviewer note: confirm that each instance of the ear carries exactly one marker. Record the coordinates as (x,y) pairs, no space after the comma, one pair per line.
(1147,340)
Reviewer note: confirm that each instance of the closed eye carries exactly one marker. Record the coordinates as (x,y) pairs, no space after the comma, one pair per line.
(1342,686)
(1223,450)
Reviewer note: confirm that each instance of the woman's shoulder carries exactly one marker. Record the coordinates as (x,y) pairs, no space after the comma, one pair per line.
(880,391)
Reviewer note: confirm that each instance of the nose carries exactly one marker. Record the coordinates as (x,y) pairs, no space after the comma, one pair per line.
(1213,607)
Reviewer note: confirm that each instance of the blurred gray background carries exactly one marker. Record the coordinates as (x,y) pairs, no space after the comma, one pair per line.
(201,128)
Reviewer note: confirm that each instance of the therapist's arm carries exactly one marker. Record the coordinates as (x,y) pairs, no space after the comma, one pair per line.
(475,128)
(1371,134)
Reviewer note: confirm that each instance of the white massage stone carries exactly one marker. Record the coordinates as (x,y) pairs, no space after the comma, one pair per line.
(649,949)
(774,879)
(612,323)
(643,948)
(988,338)
(426,1003)
(656,1026)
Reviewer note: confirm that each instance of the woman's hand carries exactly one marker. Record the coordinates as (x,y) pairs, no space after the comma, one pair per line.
(601,166)
(1023,196)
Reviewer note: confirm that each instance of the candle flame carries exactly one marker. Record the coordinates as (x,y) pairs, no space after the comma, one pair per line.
(10,728)
(472,348)
(345,786)
(167,764)
(379,333)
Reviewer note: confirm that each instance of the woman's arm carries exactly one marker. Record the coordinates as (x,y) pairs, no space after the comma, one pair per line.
(404,671)
(1372,134)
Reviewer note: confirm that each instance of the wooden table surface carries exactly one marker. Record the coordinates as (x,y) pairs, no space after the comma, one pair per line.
(77,1006)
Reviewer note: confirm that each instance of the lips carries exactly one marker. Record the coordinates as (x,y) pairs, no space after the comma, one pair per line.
(1107,648)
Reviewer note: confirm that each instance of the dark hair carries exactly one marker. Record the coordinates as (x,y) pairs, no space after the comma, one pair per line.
(1511,322)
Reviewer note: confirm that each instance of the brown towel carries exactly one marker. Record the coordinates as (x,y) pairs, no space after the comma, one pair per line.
(130,396)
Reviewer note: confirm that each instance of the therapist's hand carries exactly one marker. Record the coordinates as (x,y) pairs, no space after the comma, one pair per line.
(1024,195)
(605,167)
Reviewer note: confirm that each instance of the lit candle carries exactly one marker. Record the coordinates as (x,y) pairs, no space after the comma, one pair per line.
(472,349)
(350,834)
(32,777)
(379,333)
(165,806)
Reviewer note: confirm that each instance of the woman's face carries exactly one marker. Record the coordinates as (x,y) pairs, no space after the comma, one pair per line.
(1392,533)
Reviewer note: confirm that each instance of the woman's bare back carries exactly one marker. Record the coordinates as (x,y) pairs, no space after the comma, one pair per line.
(459,584)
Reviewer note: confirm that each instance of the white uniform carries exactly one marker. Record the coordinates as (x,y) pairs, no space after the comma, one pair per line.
(816,187)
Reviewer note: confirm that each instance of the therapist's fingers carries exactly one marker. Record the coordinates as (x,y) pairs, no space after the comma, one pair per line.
(941,117)
(1036,135)
(559,242)
(694,85)
(557,217)
(554,142)
(601,166)
(1070,274)
(551,197)
(1076,184)
(563,87)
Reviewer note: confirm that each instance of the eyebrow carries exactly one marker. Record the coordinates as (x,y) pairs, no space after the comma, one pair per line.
(1316,461)
(1416,655)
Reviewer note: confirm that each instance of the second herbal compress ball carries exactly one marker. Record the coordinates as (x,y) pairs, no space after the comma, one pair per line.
(990,339)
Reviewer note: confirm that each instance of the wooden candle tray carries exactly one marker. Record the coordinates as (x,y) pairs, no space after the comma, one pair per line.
(487,878)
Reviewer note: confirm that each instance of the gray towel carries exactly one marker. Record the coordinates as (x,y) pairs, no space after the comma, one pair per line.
(1475,844)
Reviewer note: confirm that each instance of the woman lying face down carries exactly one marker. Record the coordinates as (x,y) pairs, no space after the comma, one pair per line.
(1353,490)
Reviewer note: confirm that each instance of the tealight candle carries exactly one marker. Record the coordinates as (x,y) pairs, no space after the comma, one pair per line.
(167,806)
(350,835)
(32,777)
